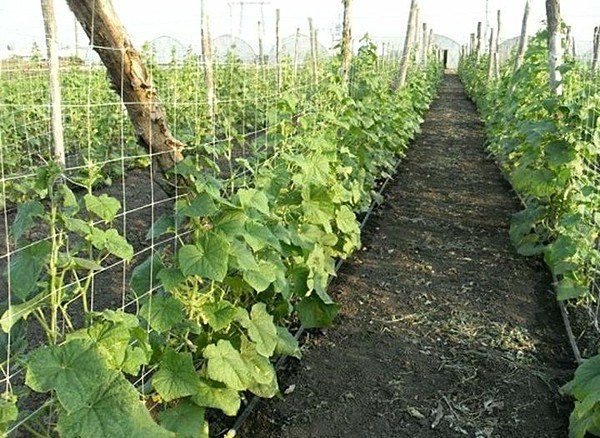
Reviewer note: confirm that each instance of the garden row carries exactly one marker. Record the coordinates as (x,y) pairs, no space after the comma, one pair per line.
(248,258)
(549,148)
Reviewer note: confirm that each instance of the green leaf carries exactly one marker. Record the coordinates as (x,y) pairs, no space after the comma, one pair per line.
(176,376)
(162,313)
(118,245)
(145,275)
(112,409)
(313,312)
(263,373)
(231,223)
(186,419)
(252,198)
(78,226)
(134,358)
(201,206)
(261,277)
(170,278)
(259,236)
(287,345)
(109,338)
(559,153)
(568,288)
(26,266)
(209,259)
(103,206)
(219,314)
(24,218)
(226,365)
(214,395)
(560,253)
(16,312)
(260,328)
(345,220)
(161,226)
(242,256)
(73,370)
(8,411)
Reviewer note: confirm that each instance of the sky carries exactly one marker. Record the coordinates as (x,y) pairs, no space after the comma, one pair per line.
(21,22)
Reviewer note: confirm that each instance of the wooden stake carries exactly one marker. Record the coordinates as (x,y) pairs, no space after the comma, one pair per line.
(405,61)
(472,44)
(479,41)
(261,50)
(554,45)
(129,78)
(209,78)
(596,54)
(313,50)
(55,94)
(490,72)
(346,41)
(523,38)
(296,42)
(424,45)
(416,38)
(498,29)
(568,41)
(278,50)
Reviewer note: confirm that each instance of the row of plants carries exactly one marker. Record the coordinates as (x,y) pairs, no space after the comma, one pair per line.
(549,148)
(246,259)
(96,129)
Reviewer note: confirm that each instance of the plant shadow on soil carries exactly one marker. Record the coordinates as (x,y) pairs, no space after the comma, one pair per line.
(445,331)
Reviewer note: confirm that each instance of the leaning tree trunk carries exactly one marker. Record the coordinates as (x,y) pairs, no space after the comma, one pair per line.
(129,78)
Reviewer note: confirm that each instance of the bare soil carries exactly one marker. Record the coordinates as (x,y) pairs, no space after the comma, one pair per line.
(445,331)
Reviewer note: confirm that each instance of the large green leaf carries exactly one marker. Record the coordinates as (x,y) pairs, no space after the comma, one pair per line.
(252,198)
(261,277)
(226,365)
(313,312)
(162,313)
(113,409)
(201,205)
(287,345)
(118,245)
(261,328)
(24,218)
(208,259)
(215,395)
(103,206)
(218,314)
(176,376)
(74,370)
(186,419)
(109,338)
(26,266)
(263,373)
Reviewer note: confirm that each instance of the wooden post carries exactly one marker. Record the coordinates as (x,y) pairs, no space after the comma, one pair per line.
(75,24)
(523,38)
(472,44)
(554,45)
(498,29)
(490,72)
(129,78)
(416,37)
(596,50)
(405,61)
(429,43)
(346,41)
(568,41)
(261,50)
(209,78)
(313,50)
(479,41)
(424,45)
(296,42)
(496,65)
(53,68)
(278,50)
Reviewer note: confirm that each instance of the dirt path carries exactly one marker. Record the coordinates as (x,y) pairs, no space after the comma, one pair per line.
(445,330)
